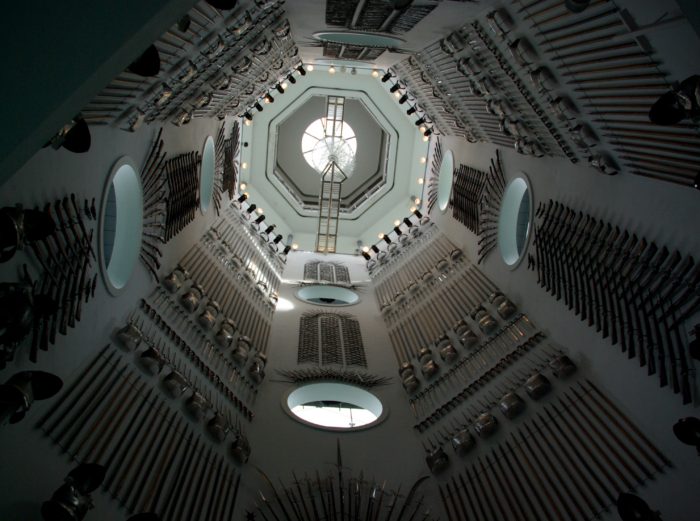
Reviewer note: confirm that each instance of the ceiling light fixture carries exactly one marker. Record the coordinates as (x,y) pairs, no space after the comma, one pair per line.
(420,121)
(269,98)
(403,99)
(269,229)
(412,110)
(375,248)
(277,239)
(386,239)
(258,106)
(417,213)
(259,219)
(291,79)
(397,94)
(331,70)
(386,77)
(251,208)
(248,123)
(422,130)
(375,73)
(398,230)
(366,255)
(394,87)
(286,249)
(428,132)
(242,198)
(426,139)
(279,88)
(407,222)
(301,70)
(248,116)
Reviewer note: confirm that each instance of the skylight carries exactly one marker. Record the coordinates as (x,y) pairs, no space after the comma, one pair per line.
(319,148)
(334,414)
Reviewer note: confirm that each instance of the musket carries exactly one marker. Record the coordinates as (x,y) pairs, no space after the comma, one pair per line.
(533,489)
(198,487)
(67,392)
(236,488)
(177,488)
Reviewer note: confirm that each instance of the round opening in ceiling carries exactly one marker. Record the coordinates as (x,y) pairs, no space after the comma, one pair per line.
(121,225)
(325,295)
(445,175)
(514,221)
(360,39)
(334,406)
(206,174)
(322,145)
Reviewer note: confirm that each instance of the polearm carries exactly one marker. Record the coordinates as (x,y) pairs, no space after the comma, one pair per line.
(518,482)
(81,223)
(510,494)
(175,493)
(301,495)
(215,487)
(198,486)
(514,512)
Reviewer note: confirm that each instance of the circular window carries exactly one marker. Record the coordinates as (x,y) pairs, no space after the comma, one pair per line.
(322,295)
(334,406)
(121,225)
(445,180)
(206,174)
(514,221)
(321,145)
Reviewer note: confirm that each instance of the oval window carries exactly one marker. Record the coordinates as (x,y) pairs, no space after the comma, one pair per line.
(206,175)
(326,295)
(445,176)
(334,406)
(121,225)
(514,221)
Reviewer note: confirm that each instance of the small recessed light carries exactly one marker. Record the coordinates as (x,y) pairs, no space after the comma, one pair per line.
(420,180)
(421,129)
(365,249)
(397,222)
(381,235)
(426,139)
(246,194)
(422,160)
(397,94)
(243,186)
(412,209)
(248,123)
(309,68)
(259,210)
(295,246)
(416,200)
(375,73)
(244,165)
(285,85)
(331,70)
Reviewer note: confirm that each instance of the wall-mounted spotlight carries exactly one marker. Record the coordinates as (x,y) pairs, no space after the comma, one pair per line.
(331,70)
(394,87)
(422,160)
(251,208)
(417,200)
(403,99)
(258,106)
(242,197)
(269,98)
(428,132)
(412,209)
(375,248)
(412,110)
(366,255)
(248,116)
(277,239)
(279,88)
(386,238)
(269,229)
(420,121)
(291,79)
(417,213)
(301,70)
(407,222)
(380,235)
(386,77)
(259,219)
(397,230)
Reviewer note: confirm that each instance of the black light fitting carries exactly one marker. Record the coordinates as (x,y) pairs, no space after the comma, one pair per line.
(386,77)
(411,110)
(374,248)
(279,88)
(301,70)
(259,219)
(417,213)
(407,222)
(291,78)
(248,116)
(258,106)
(242,198)
(398,230)
(420,121)
(403,99)
(269,229)
(366,255)
(286,249)
(269,98)
(386,239)
(428,131)
(394,88)
(251,208)
(277,239)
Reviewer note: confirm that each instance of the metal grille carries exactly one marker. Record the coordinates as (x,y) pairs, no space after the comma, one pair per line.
(330,338)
